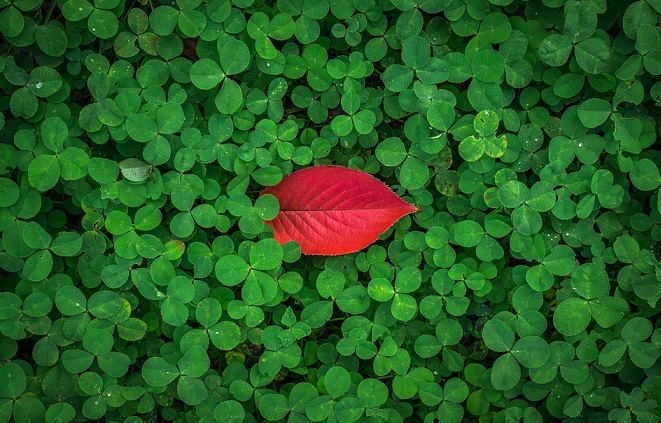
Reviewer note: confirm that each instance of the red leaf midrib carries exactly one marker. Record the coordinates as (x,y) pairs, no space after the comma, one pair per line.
(387,209)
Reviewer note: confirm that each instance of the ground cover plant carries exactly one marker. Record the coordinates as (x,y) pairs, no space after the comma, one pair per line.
(140,282)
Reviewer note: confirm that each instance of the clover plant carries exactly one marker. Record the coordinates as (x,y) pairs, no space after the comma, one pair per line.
(139,281)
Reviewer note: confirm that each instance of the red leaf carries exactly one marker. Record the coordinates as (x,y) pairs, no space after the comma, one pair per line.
(333,210)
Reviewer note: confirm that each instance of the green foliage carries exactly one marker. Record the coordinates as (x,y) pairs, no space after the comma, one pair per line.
(140,283)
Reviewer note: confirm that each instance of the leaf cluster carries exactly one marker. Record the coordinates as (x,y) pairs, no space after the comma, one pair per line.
(139,281)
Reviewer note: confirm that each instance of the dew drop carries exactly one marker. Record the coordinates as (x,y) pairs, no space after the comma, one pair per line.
(268,64)
(576,34)
(109,394)
(39,84)
(80,9)
(436,373)
(96,402)
(77,304)
(580,144)
(93,29)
